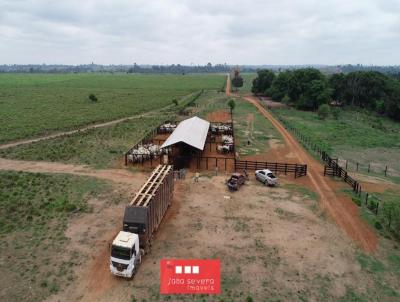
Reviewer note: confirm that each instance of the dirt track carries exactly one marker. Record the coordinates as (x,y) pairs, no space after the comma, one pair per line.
(340,207)
(64,133)
(115,175)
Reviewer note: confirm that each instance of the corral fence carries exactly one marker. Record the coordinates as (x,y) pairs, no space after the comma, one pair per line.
(378,168)
(148,138)
(298,169)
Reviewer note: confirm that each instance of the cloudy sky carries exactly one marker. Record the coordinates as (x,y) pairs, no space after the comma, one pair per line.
(200,31)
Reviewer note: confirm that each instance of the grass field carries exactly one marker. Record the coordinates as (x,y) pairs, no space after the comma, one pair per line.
(36,104)
(247,82)
(252,127)
(100,148)
(34,212)
(356,136)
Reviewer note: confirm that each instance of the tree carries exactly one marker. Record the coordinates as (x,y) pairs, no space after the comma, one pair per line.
(92,97)
(237,80)
(279,86)
(323,111)
(263,81)
(337,83)
(175,102)
(231,105)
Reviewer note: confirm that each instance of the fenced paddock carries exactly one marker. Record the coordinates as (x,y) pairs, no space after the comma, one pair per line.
(298,169)
(211,158)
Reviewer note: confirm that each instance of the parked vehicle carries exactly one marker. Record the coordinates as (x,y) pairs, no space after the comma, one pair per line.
(141,219)
(236,181)
(266,177)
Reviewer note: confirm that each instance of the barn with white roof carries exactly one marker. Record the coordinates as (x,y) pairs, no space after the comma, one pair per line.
(187,140)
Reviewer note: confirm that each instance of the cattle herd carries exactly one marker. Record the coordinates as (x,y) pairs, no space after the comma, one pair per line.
(143,152)
(148,151)
(227,144)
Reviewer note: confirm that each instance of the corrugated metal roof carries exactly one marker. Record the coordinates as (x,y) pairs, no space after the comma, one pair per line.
(192,131)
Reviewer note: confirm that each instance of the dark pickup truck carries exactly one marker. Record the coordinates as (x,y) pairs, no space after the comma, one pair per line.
(235,181)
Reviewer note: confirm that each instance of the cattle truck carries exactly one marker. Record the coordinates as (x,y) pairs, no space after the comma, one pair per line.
(142,217)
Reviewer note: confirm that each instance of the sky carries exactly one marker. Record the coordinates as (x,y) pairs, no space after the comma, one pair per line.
(251,32)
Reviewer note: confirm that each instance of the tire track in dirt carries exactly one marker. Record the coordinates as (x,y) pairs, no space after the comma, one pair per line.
(115,175)
(341,208)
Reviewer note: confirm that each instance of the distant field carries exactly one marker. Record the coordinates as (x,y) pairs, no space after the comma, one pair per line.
(36,104)
(356,136)
(247,82)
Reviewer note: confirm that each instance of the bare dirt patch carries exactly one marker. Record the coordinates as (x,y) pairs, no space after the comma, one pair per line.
(115,175)
(271,242)
(219,116)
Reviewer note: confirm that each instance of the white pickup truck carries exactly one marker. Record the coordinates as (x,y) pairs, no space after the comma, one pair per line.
(266,177)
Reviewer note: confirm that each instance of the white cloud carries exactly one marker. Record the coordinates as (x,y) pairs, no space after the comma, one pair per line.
(186,31)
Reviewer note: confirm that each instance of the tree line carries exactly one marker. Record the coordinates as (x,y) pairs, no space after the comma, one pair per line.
(135,68)
(308,89)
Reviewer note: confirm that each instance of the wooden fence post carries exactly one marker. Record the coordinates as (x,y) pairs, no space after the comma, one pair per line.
(366,198)
(369,167)
(386,171)
(357,166)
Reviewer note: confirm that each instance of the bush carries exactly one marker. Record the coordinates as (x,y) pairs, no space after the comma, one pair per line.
(356,200)
(378,225)
(92,97)
(335,113)
(286,100)
(249,299)
(323,111)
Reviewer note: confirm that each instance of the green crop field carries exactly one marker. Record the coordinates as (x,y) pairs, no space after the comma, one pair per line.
(36,104)
(356,136)
(34,212)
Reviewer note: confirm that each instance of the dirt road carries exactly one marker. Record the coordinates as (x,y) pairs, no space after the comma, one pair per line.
(340,207)
(115,175)
(228,84)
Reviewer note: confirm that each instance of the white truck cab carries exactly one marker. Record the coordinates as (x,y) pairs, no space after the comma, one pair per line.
(125,254)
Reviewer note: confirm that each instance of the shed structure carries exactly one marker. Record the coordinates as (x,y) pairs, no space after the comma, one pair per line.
(187,140)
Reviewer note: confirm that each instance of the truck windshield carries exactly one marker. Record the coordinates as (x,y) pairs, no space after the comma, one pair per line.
(120,252)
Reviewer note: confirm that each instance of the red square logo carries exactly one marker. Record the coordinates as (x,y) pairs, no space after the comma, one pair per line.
(194,276)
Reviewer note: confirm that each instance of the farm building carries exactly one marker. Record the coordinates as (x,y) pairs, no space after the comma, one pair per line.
(187,140)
